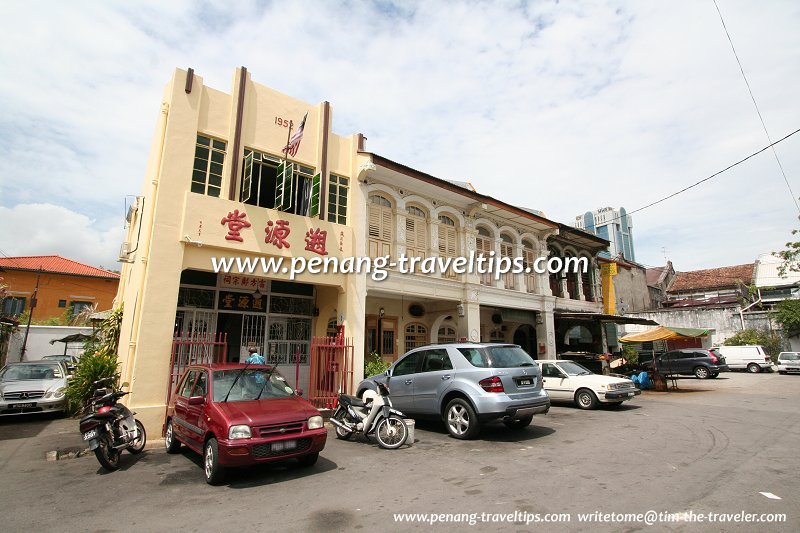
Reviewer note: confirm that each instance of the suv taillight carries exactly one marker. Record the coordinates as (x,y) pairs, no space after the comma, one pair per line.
(767,359)
(713,357)
(492,384)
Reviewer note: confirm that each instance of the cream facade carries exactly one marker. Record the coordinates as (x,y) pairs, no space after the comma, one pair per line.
(195,207)
(417,215)
(218,186)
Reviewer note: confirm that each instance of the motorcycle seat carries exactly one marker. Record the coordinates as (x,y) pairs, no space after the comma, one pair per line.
(353,401)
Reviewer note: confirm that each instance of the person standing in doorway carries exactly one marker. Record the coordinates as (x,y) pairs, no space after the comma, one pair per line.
(255,358)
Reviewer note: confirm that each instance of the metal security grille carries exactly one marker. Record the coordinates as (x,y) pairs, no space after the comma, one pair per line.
(190,347)
(331,370)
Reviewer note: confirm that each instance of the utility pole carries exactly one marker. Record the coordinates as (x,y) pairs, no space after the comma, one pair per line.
(30,316)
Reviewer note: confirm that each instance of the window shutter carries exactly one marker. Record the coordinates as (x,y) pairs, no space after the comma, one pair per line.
(386,224)
(316,183)
(283,189)
(247,178)
(447,241)
(374,223)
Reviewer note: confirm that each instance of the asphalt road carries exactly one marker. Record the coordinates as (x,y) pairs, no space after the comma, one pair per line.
(712,447)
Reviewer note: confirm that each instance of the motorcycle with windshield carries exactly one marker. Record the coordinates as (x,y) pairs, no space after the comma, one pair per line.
(372,416)
(109,427)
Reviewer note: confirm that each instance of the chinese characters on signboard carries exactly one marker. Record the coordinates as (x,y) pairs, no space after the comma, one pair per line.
(277,233)
(236,301)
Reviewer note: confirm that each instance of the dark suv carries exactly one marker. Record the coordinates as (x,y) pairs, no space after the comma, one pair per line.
(701,362)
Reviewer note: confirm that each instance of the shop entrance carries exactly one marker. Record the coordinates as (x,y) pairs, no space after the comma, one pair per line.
(525,336)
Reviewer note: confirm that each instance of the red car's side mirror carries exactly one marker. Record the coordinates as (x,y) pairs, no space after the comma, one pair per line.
(197,400)
(299,392)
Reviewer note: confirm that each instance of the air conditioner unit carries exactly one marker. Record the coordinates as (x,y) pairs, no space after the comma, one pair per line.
(124,253)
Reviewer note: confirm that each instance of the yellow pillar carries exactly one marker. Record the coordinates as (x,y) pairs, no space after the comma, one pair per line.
(607,273)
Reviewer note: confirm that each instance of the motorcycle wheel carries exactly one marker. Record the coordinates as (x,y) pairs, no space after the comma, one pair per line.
(106,455)
(342,434)
(137,446)
(391,432)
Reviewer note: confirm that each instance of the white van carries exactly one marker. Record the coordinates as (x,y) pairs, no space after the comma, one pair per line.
(752,358)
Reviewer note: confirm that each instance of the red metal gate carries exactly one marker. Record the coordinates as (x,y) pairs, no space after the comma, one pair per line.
(331,370)
(192,348)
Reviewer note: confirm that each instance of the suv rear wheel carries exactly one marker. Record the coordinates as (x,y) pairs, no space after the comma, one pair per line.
(701,372)
(461,420)
(753,368)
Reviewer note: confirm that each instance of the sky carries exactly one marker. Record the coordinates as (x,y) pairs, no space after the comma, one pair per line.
(563,107)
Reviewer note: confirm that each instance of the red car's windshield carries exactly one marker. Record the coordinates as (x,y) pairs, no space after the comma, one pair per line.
(254,383)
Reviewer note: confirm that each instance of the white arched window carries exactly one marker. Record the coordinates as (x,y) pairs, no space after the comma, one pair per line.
(416,233)
(483,246)
(447,334)
(380,227)
(416,335)
(448,239)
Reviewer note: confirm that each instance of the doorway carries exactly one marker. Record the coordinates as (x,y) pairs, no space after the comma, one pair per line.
(525,336)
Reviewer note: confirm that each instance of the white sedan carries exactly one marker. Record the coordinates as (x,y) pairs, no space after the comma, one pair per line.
(569,381)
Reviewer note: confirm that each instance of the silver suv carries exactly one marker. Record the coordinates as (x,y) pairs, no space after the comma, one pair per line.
(466,385)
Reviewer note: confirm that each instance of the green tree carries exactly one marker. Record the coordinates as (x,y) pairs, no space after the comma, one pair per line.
(790,256)
(787,315)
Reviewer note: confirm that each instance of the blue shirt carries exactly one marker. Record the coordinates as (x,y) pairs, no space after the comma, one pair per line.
(255,359)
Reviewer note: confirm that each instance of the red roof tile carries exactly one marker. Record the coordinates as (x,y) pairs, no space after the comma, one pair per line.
(55,264)
(713,278)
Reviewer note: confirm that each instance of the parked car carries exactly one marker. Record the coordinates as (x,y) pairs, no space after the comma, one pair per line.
(70,361)
(700,362)
(788,362)
(239,415)
(752,358)
(465,385)
(573,382)
(32,387)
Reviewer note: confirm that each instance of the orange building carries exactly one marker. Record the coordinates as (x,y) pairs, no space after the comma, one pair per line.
(63,284)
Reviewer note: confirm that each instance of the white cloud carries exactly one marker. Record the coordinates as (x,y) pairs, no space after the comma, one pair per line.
(46,229)
(563,107)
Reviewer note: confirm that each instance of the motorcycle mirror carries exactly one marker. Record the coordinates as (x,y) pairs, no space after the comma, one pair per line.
(124,385)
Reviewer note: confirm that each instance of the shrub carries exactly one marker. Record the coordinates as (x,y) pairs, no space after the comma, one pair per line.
(92,367)
(99,361)
(631,355)
(373,364)
(769,340)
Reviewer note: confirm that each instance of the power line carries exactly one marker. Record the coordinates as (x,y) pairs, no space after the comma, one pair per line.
(715,174)
(758,111)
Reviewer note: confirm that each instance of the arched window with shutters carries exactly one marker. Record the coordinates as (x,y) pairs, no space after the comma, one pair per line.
(483,246)
(380,227)
(572,279)
(448,243)
(447,334)
(528,258)
(555,277)
(416,335)
(507,250)
(416,232)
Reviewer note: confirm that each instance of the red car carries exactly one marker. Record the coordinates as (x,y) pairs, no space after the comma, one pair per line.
(241,415)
